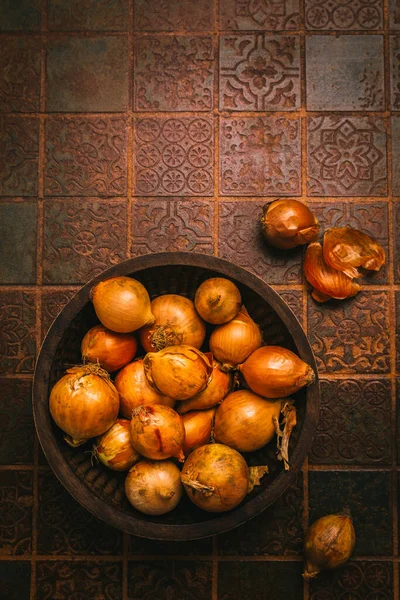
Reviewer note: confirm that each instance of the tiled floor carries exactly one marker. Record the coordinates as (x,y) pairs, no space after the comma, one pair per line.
(134,126)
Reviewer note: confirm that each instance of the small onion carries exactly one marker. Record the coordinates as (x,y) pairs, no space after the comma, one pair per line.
(154,487)
(109,349)
(217,388)
(157,432)
(217,300)
(198,426)
(346,248)
(288,223)
(233,342)
(114,448)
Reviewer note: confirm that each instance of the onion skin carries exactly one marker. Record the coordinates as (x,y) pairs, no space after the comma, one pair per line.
(122,304)
(288,223)
(114,448)
(275,372)
(328,544)
(217,300)
(135,390)
(154,487)
(217,388)
(244,421)
(233,342)
(198,425)
(109,349)
(157,432)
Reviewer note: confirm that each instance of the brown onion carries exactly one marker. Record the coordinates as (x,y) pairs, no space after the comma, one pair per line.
(154,487)
(122,304)
(135,390)
(346,248)
(198,426)
(84,403)
(215,477)
(287,223)
(217,388)
(109,349)
(233,342)
(157,432)
(275,372)
(217,300)
(114,448)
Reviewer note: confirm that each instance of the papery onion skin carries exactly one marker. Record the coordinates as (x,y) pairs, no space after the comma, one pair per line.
(198,425)
(288,223)
(231,343)
(122,304)
(217,388)
(154,487)
(135,390)
(275,372)
(346,248)
(114,448)
(244,421)
(326,281)
(179,371)
(217,300)
(215,477)
(157,432)
(84,403)
(111,350)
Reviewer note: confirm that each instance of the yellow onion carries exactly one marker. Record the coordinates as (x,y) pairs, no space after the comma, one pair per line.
(346,248)
(109,349)
(231,343)
(178,371)
(217,388)
(245,421)
(84,403)
(275,372)
(198,426)
(176,323)
(215,477)
(329,543)
(288,223)
(154,487)
(122,304)
(217,300)
(327,282)
(135,390)
(114,448)
(157,432)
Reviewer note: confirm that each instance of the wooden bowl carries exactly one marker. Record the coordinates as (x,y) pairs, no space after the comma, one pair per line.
(100,490)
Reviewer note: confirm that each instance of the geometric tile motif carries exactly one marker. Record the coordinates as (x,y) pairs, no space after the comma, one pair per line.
(19,75)
(16,500)
(177,15)
(19,156)
(395,72)
(259,14)
(348,14)
(17,331)
(355,580)
(66,580)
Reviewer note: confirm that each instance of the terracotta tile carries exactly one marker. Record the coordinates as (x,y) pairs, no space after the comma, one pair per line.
(174,156)
(294,299)
(174,73)
(342,16)
(16,423)
(174,15)
(24,15)
(15,579)
(19,143)
(19,74)
(52,304)
(88,15)
(395,72)
(346,156)
(345,73)
(169,579)
(18,231)
(260,156)
(356,579)
(17,331)
(396,155)
(397,316)
(241,241)
(394,15)
(16,499)
(277,580)
(259,72)
(142,546)
(86,156)
(82,237)
(265,14)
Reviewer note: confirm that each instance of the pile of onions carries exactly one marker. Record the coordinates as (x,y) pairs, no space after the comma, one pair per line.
(198,426)
(233,342)
(157,432)
(217,300)
(114,448)
(154,487)
(109,349)
(217,388)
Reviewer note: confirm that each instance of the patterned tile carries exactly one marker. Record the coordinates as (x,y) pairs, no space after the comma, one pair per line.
(397,316)
(345,73)
(346,156)
(15,580)
(174,73)
(294,299)
(143,546)
(24,15)
(165,580)
(259,14)
(16,423)
(351,336)
(84,580)
(395,72)
(355,580)
(260,156)
(86,156)
(52,304)
(394,14)
(82,237)
(19,74)
(91,15)
(241,241)
(277,580)
(87,75)
(367,495)
(18,231)
(259,72)
(174,156)
(354,423)
(396,155)
(19,151)
(174,15)
(352,14)
(16,499)
(17,331)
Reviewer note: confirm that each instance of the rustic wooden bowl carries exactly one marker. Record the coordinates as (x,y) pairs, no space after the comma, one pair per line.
(100,490)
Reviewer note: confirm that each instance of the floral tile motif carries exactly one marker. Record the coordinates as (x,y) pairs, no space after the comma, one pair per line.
(169,579)
(16,423)
(345,72)
(52,304)
(395,72)
(354,423)
(86,156)
(88,15)
(277,580)
(356,579)
(174,73)
(394,15)
(82,238)
(346,156)
(174,156)
(15,579)
(352,14)
(172,225)
(143,546)
(259,72)
(174,15)
(18,233)
(396,155)
(294,299)
(241,241)
(19,143)
(19,74)
(24,15)
(259,14)
(17,331)
(16,499)
(65,580)
(260,156)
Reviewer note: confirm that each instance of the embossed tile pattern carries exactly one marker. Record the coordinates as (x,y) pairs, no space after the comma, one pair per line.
(19,74)
(16,422)
(16,499)
(169,579)
(174,15)
(53,301)
(397,308)
(278,580)
(356,579)
(396,155)
(394,14)
(90,15)
(18,242)
(19,143)
(342,16)
(261,14)
(17,332)
(294,299)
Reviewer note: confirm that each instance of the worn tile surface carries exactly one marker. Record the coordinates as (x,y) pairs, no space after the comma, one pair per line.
(262,14)
(169,579)
(19,74)
(174,15)
(16,500)
(53,301)
(19,143)
(16,422)
(15,579)
(357,579)
(279,580)
(396,155)
(88,15)
(24,15)
(17,331)
(18,242)
(344,16)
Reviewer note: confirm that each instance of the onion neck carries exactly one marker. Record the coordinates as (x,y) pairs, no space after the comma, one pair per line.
(74,443)
(311,571)
(165,493)
(206,490)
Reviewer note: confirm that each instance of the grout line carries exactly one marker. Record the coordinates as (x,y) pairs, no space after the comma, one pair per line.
(131,139)
(353,467)
(216,124)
